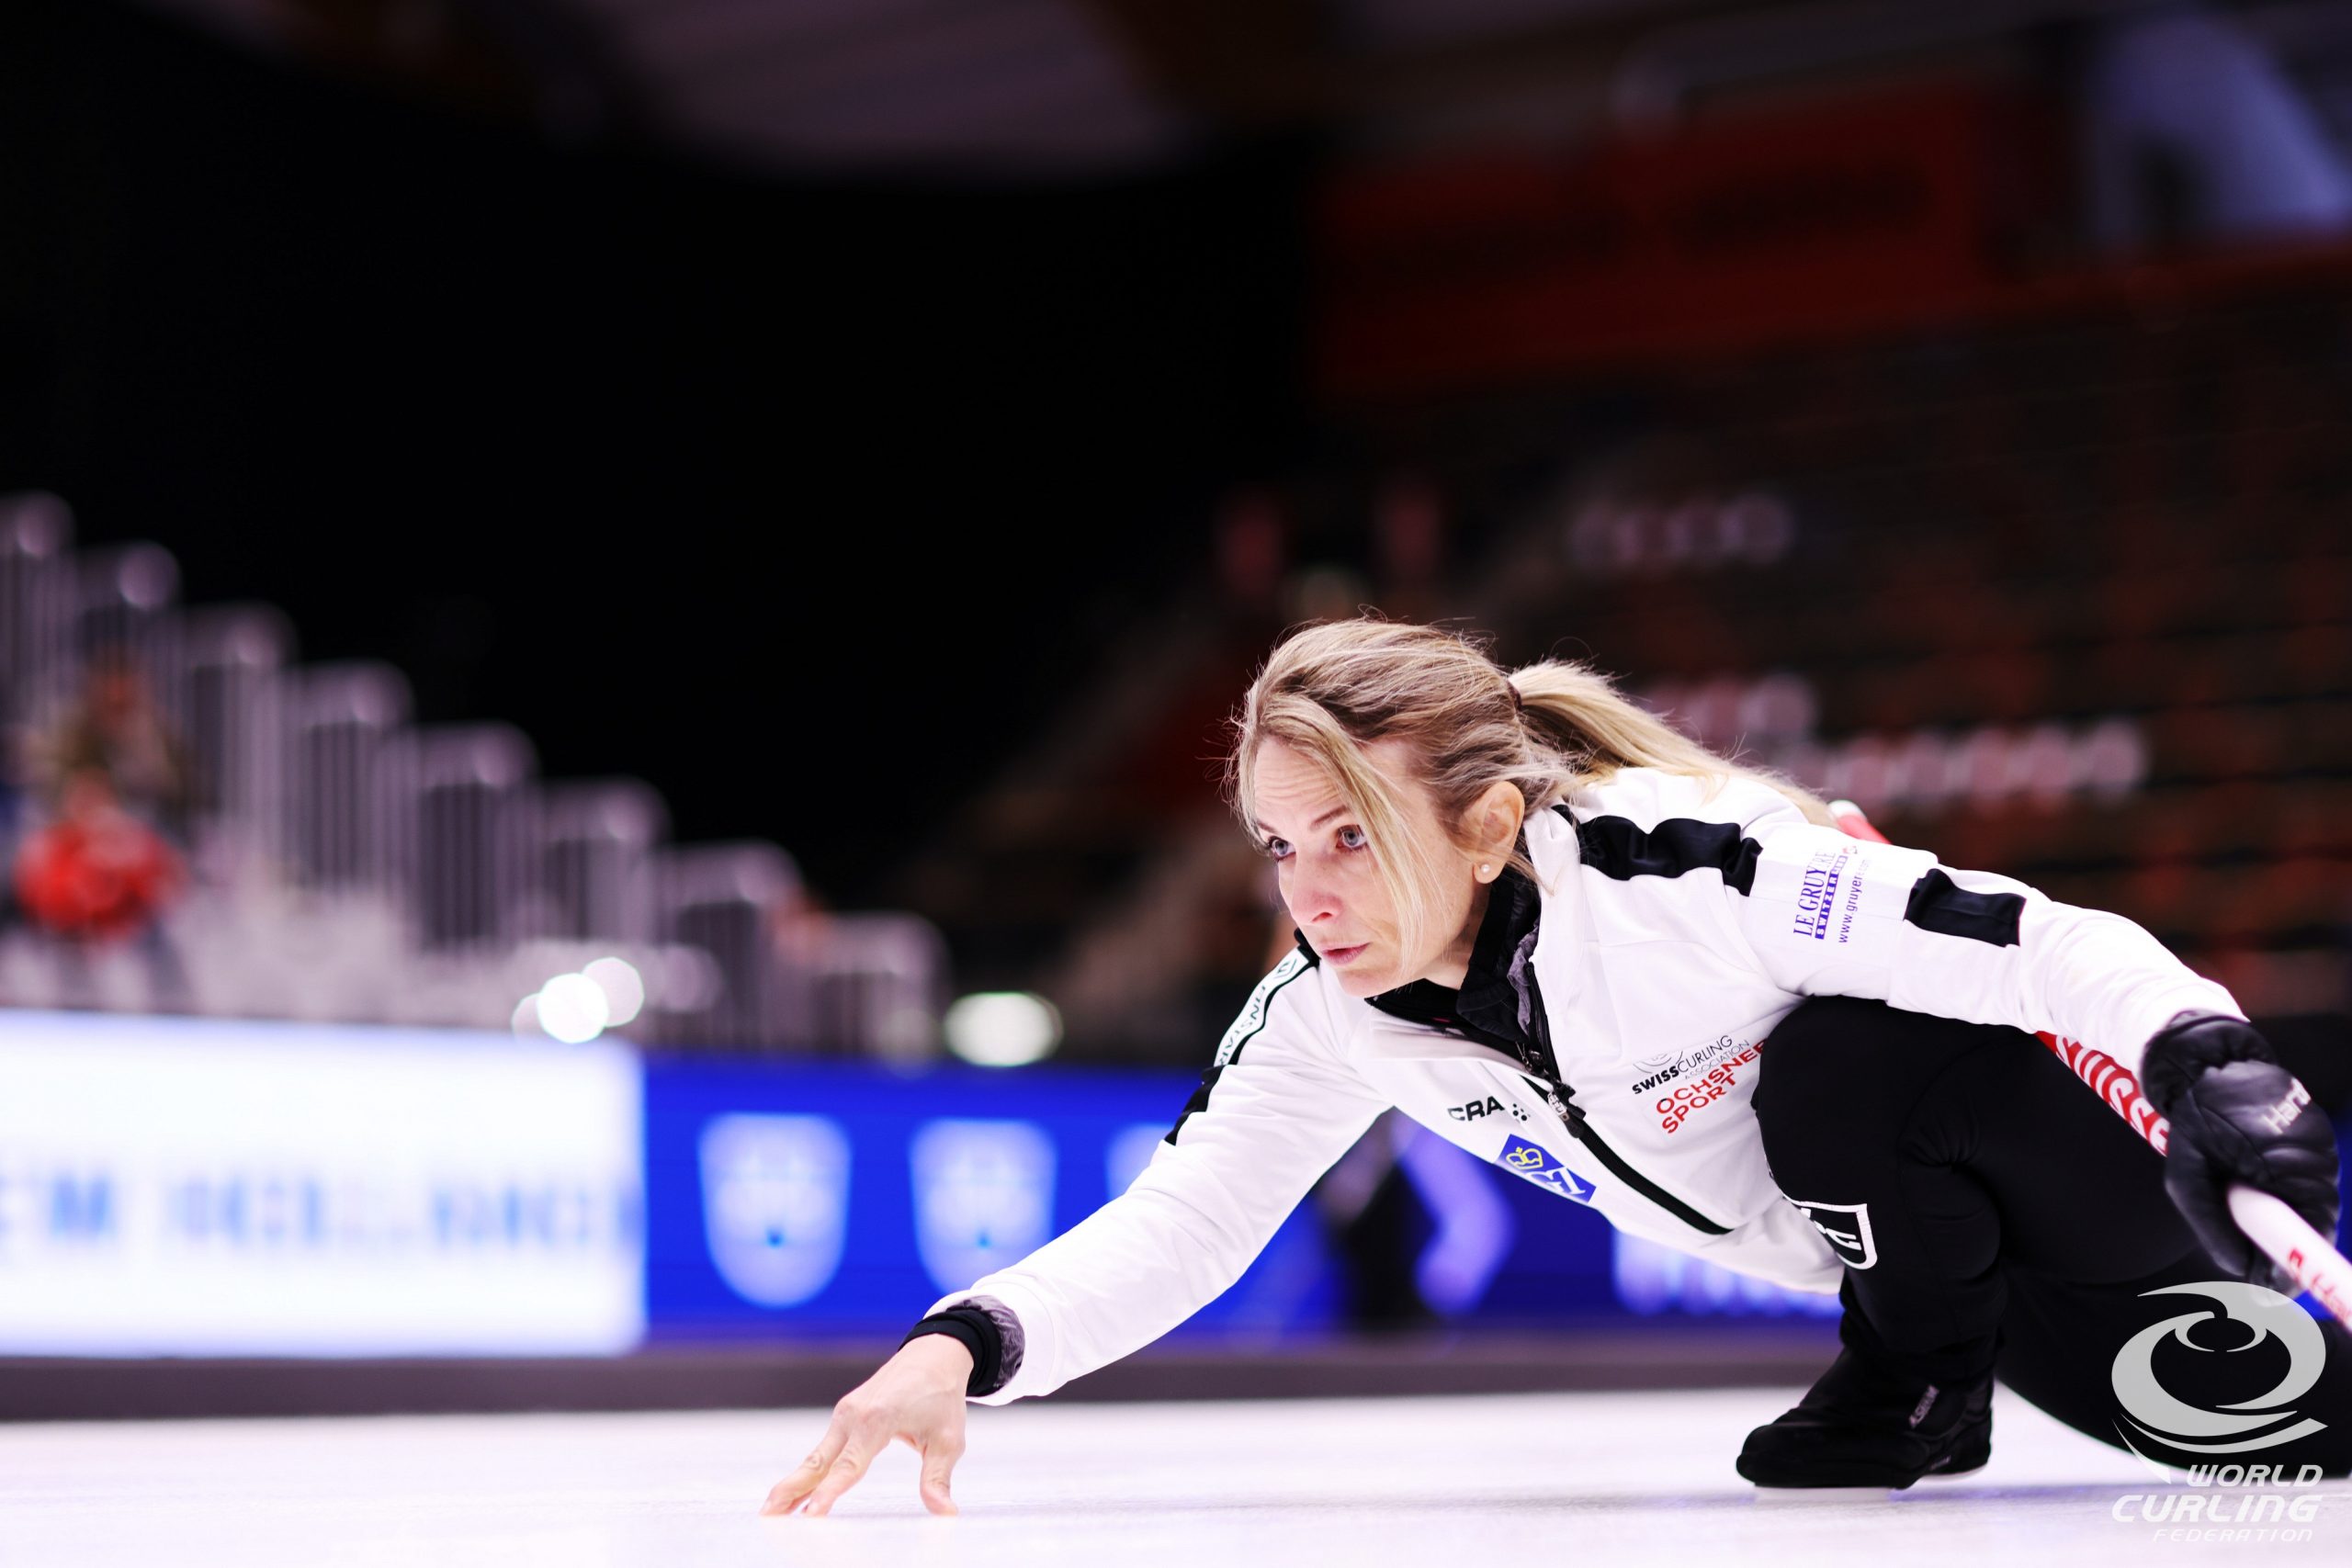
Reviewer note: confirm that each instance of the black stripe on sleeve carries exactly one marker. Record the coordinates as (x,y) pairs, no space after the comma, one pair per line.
(1199,1100)
(1937,904)
(1621,851)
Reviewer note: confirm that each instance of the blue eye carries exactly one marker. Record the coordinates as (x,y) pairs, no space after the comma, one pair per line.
(1361,842)
(1277,848)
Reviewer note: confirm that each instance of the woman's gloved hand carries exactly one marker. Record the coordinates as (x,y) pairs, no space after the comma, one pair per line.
(2238,1116)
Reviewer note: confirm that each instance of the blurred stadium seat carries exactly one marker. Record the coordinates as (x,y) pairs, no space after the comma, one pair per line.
(355,867)
(2065,595)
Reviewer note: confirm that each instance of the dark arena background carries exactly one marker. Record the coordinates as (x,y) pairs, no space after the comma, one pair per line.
(618,619)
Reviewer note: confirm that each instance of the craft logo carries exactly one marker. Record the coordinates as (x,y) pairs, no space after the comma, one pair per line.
(1535,1163)
(775,1204)
(1846,1227)
(1493,1105)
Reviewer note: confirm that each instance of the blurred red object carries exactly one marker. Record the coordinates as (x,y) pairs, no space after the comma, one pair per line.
(97,877)
(1852,821)
(1740,232)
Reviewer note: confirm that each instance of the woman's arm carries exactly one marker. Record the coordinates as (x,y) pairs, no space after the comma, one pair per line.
(1276,1108)
(1825,914)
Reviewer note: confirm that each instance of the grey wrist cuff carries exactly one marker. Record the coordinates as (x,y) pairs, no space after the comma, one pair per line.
(988,1329)
(1009,1338)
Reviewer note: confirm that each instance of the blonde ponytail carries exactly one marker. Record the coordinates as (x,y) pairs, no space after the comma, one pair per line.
(1550,729)
(1595,730)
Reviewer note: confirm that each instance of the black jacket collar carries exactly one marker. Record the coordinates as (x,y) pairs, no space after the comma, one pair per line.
(1498,1004)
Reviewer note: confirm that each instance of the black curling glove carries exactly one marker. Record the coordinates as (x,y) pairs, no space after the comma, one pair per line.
(2238,1116)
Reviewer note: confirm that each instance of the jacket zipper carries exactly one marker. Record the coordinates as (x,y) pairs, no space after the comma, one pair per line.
(1562,1101)
(1533,1054)
(1544,1066)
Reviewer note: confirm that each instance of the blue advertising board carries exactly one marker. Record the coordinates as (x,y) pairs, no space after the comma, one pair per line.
(177,1187)
(803,1199)
(842,1200)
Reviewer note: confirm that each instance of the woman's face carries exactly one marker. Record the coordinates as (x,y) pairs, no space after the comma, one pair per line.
(1332,886)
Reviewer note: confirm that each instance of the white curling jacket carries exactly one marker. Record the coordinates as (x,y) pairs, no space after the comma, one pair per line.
(1673,922)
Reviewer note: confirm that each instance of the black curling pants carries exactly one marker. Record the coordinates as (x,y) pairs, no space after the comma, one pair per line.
(1995,1213)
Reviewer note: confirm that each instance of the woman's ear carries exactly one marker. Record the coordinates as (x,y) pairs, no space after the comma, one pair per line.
(1494,822)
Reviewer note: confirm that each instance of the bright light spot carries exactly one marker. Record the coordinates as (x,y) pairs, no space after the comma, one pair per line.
(624,989)
(573,1009)
(1002,1029)
(527,1015)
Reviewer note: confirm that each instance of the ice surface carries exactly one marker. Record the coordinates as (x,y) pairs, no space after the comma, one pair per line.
(1467,1483)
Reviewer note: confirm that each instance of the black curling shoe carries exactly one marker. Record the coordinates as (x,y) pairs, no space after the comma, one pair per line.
(1864,1423)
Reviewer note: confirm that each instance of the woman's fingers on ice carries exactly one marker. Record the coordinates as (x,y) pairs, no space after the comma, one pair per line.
(847,1469)
(938,1465)
(805,1480)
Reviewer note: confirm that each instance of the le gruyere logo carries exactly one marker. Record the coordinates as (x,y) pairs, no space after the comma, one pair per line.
(1818,893)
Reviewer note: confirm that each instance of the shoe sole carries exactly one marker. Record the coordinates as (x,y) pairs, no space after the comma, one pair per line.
(1788,1496)
(1965,1460)
(1936,1475)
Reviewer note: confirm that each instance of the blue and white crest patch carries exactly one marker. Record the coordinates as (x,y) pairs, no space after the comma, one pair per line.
(1535,1162)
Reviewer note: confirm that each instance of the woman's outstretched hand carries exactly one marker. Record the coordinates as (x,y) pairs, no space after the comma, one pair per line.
(917,1395)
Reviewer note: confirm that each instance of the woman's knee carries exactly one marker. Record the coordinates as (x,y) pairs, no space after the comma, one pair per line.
(1843,1078)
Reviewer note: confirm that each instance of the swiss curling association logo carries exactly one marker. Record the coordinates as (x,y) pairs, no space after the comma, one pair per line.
(2158,1416)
